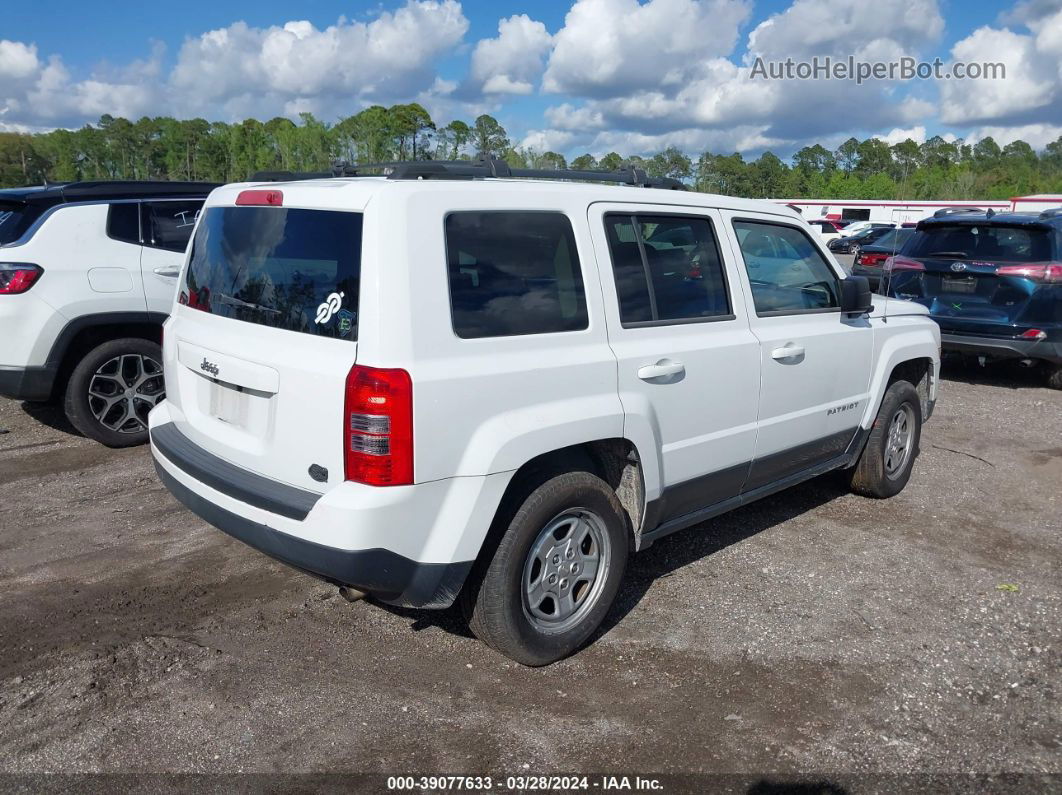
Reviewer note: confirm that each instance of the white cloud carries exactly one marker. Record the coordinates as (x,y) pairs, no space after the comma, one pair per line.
(610,48)
(390,57)
(548,140)
(569,117)
(17,60)
(240,71)
(1036,135)
(898,135)
(839,27)
(636,89)
(1033,79)
(512,62)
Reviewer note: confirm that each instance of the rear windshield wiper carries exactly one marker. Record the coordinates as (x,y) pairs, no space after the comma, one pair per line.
(946,254)
(228,299)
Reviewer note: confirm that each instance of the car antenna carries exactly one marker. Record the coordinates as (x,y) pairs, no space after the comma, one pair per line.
(886,280)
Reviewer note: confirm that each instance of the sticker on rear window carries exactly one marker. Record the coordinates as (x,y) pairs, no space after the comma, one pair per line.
(329,308)
(345,321)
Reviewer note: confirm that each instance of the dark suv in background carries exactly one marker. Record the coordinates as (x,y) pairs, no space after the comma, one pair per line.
(992,282)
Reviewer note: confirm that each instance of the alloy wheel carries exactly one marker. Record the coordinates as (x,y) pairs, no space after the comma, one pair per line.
(123,390)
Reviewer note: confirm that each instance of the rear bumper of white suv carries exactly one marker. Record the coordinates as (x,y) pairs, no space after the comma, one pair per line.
(403,545)
(26,383)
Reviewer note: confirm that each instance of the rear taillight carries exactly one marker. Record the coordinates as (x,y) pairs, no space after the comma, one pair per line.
(870,259)
(378,427)
(1050,273)
(903,264)
(17,277)
(1034,334)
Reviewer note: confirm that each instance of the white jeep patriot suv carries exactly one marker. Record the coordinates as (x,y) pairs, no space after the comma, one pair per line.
(447,383)
(88,272)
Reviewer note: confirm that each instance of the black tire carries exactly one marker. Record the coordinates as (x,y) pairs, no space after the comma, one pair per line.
(96,371)
(494,601)
(871,476)
(1054,376)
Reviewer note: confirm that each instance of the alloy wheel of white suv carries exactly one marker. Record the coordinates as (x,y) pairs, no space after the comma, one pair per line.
(113,388)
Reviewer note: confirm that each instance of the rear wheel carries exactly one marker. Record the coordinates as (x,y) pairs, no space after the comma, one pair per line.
(555,572)
(113,388)
(1054,376)
(885,465)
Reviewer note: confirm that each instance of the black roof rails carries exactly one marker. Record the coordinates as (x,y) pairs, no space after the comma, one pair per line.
(485,166)
(946,211)
(1051,212)
(105,190)
(288,176)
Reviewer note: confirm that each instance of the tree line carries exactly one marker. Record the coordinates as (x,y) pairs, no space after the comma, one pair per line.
(197,149)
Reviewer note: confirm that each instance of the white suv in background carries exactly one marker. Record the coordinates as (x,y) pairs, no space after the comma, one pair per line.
(437,385)
(88,272)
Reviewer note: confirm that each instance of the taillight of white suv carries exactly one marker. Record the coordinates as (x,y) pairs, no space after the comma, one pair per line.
(378,427)
(17,277)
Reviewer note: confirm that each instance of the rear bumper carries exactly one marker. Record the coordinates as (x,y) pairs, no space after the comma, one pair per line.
(380,572)
(406,545)
(1002,347)
(27,383)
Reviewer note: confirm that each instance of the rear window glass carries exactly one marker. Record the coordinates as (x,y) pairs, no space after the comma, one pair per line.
(982,242)
(513,273)
(293,269)
(15,220)
(893,239)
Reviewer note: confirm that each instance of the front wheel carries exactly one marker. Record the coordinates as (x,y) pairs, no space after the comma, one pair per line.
(885,465)
(113,388)
(555,572)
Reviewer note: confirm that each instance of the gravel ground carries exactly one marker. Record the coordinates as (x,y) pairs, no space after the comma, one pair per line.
(813,636)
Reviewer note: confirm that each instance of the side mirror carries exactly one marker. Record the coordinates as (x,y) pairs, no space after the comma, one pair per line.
(855,295)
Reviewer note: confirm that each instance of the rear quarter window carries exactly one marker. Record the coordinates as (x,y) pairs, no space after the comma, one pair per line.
(16,220)
(513,273)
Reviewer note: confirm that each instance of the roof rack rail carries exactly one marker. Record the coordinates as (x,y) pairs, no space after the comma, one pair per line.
(946,211)
(1051,212)
(288,176)
(485,166)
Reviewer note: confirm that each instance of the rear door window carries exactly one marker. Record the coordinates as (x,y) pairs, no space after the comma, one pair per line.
(667,268)
(293,269)
(513,273)
(168,225)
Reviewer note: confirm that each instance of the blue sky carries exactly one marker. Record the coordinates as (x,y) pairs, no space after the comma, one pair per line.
(585,75)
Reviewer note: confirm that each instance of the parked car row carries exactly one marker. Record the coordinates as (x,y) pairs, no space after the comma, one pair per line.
(454,384)
(993,282)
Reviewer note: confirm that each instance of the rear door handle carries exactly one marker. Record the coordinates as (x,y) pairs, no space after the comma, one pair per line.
(168,271)
(789,351)
(661,369)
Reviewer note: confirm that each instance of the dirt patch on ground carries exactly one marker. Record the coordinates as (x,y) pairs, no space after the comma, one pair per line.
(814,634)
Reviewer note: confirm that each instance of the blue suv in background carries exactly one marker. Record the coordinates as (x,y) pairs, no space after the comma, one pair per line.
(993,282)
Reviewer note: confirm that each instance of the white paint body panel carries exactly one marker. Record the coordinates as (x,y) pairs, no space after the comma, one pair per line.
(85,273)
(485,407)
